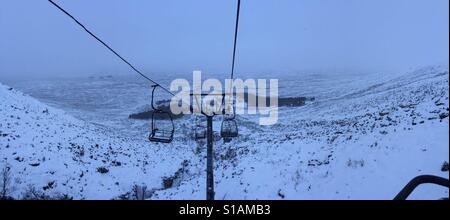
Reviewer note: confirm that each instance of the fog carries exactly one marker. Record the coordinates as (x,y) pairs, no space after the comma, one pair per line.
(178,36)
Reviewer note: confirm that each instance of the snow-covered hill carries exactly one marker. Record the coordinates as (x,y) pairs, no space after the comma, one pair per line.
(51,153)
(365,144)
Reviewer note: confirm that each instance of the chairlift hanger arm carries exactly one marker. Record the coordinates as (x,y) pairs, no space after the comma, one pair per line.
(153,97)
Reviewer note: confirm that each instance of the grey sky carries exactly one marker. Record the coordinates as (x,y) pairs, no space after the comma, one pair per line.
(178,36)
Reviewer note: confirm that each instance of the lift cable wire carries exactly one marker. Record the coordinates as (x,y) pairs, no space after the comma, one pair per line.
(235,37)
(236,31)
(134,68)
(109,48)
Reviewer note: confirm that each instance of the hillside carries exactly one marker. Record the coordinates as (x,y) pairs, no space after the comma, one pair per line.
(365,144)
(53,154)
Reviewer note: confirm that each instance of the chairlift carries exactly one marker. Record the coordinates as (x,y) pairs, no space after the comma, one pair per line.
(162,127)
(229,128)
(200,132)
(200,129)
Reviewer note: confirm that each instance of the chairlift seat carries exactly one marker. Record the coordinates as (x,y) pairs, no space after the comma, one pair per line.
(162,136)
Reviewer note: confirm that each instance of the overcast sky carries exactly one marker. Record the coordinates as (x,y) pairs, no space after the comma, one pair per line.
(178,36)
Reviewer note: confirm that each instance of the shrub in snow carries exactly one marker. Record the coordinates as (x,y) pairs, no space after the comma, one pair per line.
(33,194)
(175,180)
(5,181)
(138,192)
(444,167)
(102,170)
(355,163)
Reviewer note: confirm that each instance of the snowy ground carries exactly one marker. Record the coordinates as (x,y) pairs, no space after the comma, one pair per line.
(56,154)
(363,138)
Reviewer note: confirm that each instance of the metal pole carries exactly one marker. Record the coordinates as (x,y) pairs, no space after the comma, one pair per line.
(209,160)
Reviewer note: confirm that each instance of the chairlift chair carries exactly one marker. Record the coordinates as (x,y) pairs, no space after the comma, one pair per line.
(229,128)
(200,129)
(200,132)
(162,130)
(162,127)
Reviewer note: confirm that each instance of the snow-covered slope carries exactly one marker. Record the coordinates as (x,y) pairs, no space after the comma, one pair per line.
(51,153)
(365,144)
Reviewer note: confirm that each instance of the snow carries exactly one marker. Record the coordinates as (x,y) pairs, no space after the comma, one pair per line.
(364,138)
(44,145)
